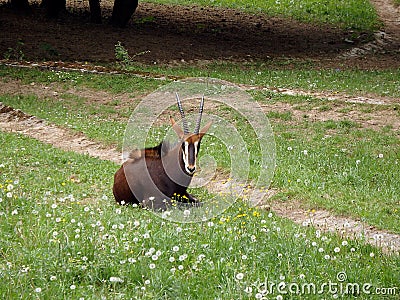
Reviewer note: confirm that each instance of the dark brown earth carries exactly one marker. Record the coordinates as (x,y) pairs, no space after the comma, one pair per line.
(182,34)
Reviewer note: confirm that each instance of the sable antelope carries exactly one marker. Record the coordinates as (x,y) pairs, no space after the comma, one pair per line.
(151,177)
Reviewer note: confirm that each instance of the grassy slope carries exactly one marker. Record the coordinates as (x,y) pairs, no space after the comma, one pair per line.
(64,238)
(342,173)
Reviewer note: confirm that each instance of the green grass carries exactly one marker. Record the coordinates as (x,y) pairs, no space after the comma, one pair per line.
(95,121)
(345,169)
(292,75)
(114,83)
(64,238)
(279,74)
(352,14)
(341,172)
(98,122)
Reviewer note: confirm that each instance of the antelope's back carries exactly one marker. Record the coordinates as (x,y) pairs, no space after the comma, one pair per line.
(131,176)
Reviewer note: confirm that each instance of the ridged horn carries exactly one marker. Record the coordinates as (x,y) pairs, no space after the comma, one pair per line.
(184,122)
(196,131)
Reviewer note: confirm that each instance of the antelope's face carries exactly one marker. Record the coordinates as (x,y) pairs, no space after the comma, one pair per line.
(190,146)
(190,141)
(190,149)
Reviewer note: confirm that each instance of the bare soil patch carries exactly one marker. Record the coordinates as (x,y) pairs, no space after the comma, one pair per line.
(387,39)
(183,34)
(376,120)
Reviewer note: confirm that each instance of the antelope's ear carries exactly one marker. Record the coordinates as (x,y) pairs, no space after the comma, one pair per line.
(204,130)
(178,130)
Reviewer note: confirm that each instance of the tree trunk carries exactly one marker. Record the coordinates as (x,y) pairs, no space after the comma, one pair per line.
(20,5)
(122,12)
(54,7)
(95,11)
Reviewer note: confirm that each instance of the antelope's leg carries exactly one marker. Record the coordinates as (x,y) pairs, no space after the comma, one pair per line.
(156,204)
(191,198)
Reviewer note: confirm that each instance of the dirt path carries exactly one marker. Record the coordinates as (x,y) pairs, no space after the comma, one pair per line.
(390,16)
(89,68)
(16,121)
(387,39)
(338,110)
(342,97)
(345,227)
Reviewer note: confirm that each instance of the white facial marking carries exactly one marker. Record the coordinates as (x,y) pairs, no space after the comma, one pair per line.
(195,149)
(185,155)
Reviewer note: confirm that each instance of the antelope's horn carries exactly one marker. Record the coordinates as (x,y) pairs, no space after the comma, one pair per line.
(184,122)
(196,131)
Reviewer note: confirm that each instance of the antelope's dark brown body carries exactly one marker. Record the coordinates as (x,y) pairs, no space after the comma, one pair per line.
(152,176)
(149,180)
